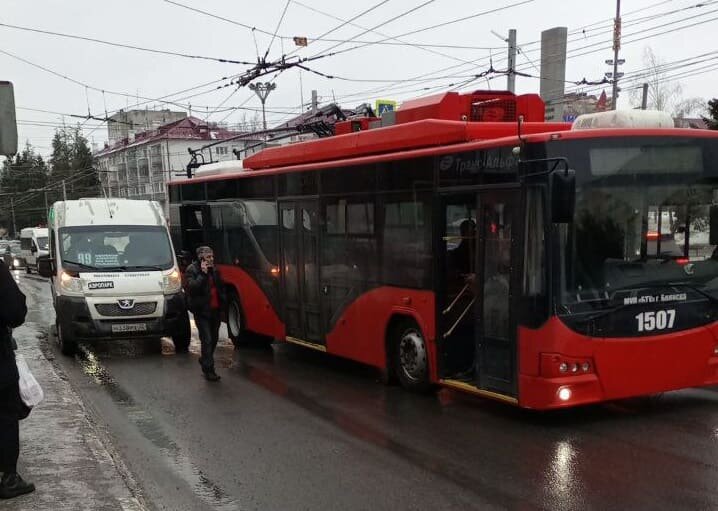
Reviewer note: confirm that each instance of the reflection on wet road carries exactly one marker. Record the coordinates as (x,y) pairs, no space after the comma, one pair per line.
(290,428)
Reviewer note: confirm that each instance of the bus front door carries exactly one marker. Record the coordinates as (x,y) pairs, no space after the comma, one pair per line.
(496,271)
(299,247)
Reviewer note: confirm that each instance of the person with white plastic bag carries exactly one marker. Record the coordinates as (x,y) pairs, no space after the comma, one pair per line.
(12,408)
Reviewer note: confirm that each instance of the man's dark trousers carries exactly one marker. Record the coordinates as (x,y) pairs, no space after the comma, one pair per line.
(208,328)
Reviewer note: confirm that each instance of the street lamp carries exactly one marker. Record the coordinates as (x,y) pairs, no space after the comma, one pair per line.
(262,90)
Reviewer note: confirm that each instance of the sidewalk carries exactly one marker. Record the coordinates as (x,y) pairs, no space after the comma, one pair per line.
(61,450)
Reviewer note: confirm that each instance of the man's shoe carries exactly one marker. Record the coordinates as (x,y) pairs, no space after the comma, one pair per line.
(12,485)
(212,376)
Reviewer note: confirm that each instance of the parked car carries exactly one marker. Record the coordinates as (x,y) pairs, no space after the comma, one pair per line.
(11,255)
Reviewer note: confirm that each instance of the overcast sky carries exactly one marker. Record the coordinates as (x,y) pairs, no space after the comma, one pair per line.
(676,30)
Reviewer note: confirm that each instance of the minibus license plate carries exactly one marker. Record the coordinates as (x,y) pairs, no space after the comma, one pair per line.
(129,327)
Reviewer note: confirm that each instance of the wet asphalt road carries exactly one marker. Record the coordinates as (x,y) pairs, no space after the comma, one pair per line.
(290,428)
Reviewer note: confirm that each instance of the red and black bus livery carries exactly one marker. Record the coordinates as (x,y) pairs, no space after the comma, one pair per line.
(524,261)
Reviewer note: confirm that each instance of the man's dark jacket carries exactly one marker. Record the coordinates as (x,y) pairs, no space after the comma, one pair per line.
(199,291)
(12,314)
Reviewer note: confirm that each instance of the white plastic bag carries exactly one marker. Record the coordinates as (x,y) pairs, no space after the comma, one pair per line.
(30,390)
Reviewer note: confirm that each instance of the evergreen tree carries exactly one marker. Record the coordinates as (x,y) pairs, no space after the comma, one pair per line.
(712,120)
(73,163)
(20,175)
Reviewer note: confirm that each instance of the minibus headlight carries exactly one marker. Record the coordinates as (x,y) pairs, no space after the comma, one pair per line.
(70,284)
(172,282)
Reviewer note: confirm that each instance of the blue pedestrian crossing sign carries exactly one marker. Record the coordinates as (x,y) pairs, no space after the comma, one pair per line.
(384,105)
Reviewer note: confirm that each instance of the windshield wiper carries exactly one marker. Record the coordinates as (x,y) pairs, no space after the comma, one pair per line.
(606,312)
(81,265)
(139,267)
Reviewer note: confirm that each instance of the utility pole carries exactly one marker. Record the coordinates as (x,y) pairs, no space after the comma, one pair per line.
(315,102)
(262,90)
(511,77)
(644,99)
(616,48)
(64,191)
(47,209)
(12,209)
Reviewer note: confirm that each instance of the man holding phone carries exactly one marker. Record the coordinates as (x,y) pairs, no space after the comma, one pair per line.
(206,300)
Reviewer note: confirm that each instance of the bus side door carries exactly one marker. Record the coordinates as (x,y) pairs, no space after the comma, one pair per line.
(498,267)
(299,246)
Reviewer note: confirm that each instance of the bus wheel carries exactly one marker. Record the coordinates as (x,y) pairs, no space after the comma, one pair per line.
(411,358)
(235,322)
(68,346)
(182,337)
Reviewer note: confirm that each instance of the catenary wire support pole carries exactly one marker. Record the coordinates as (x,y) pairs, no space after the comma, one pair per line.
(511,76)
(12,209)
(262,90)
(644,98)
(616,48)
(64,191)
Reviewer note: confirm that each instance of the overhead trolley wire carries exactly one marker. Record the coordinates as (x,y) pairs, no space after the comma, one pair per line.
(124,45)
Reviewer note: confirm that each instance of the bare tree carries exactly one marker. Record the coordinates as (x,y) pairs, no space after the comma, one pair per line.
(690,107)
(664,93)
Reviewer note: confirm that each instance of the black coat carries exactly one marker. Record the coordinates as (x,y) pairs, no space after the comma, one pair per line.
(198,289)
(12,314)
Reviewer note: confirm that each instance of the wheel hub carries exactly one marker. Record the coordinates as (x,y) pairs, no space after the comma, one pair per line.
(412,355)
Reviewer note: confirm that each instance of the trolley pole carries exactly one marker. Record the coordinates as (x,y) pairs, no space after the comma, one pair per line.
(262,90)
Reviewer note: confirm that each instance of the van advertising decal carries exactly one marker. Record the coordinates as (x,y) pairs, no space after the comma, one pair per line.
(101,285)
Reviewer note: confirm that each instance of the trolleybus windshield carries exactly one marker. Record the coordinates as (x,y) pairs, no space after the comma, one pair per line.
(642,222)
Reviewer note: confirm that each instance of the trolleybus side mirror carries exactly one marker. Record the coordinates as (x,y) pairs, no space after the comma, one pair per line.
(8,124)
(563,195)
(713,225)
(45,266)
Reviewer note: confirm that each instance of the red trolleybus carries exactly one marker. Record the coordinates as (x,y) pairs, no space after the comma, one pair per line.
(529,262)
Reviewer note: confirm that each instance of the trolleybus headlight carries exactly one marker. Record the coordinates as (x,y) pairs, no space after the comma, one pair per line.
(563,367)
(564,393)
(585,367)
(574,367)
(715,349)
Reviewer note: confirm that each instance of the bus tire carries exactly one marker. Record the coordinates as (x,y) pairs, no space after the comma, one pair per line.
(410,357)
(68,346)
(235,322)
(183,335)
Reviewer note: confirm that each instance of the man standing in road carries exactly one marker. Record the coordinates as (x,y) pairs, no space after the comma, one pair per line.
(206,300)
(12,409)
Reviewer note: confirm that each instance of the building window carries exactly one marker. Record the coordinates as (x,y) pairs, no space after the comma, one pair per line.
(221,150)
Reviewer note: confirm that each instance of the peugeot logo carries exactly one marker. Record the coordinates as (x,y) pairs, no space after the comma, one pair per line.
(126,303)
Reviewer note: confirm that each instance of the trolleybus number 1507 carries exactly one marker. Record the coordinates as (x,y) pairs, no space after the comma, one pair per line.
(656,320)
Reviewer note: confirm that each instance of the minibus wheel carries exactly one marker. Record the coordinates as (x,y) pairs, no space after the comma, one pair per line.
(183,335)
(68,346)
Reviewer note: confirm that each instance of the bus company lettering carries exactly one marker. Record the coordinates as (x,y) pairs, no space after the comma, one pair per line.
(471,164)
(663,297)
